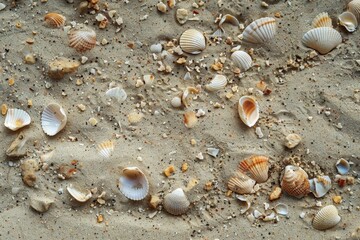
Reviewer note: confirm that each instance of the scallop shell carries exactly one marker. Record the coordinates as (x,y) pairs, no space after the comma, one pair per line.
(117,93)
(257,167)
(242,60)
(176,202)
(320,186)
(16,118)
(354,7)
(348,20)
(322,20)
(55,20)
(217,83)
(53,119)
(248,110)
(192,41)
(260,31)
(133,184)
(241,183)
(342,166)
(106,148)
(295,181)
(79,195)
(326,218)
(322,39)
(82,39)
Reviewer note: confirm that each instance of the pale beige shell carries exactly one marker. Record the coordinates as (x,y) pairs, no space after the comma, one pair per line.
(257,167)
(326,218)
(82,39)
(79,194)
(348,20)
(186,96)
(217,83)
(227,18)
(354,7)
(322,20)
(16,118)
(133,184)
(260,31)
(53,119)
(190,119)
(248,109)
(242,60)
(192,41)
(176,202)
(241,183)
(106,148)
(295,181)
(55,20)
(322,39)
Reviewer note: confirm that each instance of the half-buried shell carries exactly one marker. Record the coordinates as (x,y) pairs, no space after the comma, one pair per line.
(348,20)
(322,39)
(192,41)
(176,202)
(78,194)
(326,218)
(54,20)
(257,167)
(248,109)
(217,83)
(242,60)
(53,119)
(322,20)
(16,118)
(260,31)
(106,148)
(295,181)
(241,183)
(354,7)
(82,39)
(133,184)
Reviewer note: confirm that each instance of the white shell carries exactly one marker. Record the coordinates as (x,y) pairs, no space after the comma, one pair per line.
(354,7)
(213,152)
(217,83)
(342,166)
(270,217)
(281,209)
(322,39)
(192,41)
(176,202)
(117,93)
(245,203)
(105,148)
(322,20)
(53,119)
(242,60)
(326,218)
(257,214)
(227,18)
(348,20)
(134,184)
(176,102)
(248,110)
(79,195)
(16,118)
(260,31)
(320,186)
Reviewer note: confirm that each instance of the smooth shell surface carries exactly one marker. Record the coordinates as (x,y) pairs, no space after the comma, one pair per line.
(320,186)
(79,195)
(281,209)
(106,148)
(117,93)
(326,218)
(342,166)
(248,109)
(82,39)
(190,119)
(295,182)
(257,167)
(245,203)
(53,119)
(322,20)
(192,41)
(348,20)
(242,60)
(176,202)
(16,118)
(133,184)
(322,39)
(55,20)
(354,7)
(217,83)
(261,30)
(241,183)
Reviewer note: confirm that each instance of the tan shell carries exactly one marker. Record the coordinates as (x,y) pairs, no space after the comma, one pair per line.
(190,119)
(354,7)
(106,148)
(227,18)
(260,31)
(79,194)
(16,118)
(257,167)
(326,218)
(348,20)
(241,183)
(55,20)
(192,41)
(133,184)
(295,181)
(322,20)
(82,39)
(248,110)
(322,39)
(176,202)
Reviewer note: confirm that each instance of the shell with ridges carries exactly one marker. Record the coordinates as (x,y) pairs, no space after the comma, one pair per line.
(295,181)
(354,7)
(82,39)
(192,41)
(53,119)
(261,30)
(322,39)
(217,83)
(322,20)
(248,109)
(242,60)
(79,195)
(55,20)
(241,183)
(348,20)
(257,167)
(326,218)
(16,118)
(133,184)
(176,202)
(106,148)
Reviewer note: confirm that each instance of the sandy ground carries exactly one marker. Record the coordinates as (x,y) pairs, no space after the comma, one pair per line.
(328,83)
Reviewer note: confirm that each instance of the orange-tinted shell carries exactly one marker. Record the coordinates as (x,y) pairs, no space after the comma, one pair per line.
(241,183)
(257,167)
(83,39)
(295,181)
(55,20)
(322,20)
(248,109)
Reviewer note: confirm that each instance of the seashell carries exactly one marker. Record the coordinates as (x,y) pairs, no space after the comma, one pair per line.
(242,60)
(106,148)
(322,20)
(55,20)
(281,209)
(322,39)
(176,202)
(342,166)
(82,39)
(16,118)
(257,214)
(354,8)
(217,83)
(79,195)
(320,186)
(260,31)
(176,102)
(192,41)
(117,93)
(295,181)
(187,93)
(53,119)
(245,203)
(248,110)
(348,20)
(227,18)
(213,152)
(326,218)
(190,119)
(133,184)
(218,33)
(270,217)
(241,183)
(257,167)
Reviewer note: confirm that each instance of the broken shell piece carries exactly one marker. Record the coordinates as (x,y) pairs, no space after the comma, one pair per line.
(257,214)
(292,140)
(348,20)
(53,119)
(275,194)
(78,194)
(82,39)
(245,203)
(217,83)
(176,202)
(320,186)
(354,7)
(190,119)
(342,166)
(192,41)
(171,3)
(248,110)
(241,183)
(106,148)
(16,118)
(281,209)
(295,181)
(322,39)
(61,66)
(161,7)
(270,217)
(260,31)
(117,93)
(40,204)
(257,167)
(182,15)
(227,18)
(326,218)
(185,97)
(242,60)
(133,184)
(212,151)
(16,148)
(55,20)
(322,20)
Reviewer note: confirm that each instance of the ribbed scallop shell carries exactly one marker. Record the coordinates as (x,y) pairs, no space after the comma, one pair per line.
(117,93)
(133,184)
(106,148)
(242,60)
(217,83)
(322,20)
(326,218)
(53,119)
(55,20)
(348,20)
(176,202)
(354,7)
(248,110)
(257,167)
(322,39)
(295,182)
(261,30)
(82,39)
(79,195)
(192,41)
(320,186)
(241,183)
(16,118)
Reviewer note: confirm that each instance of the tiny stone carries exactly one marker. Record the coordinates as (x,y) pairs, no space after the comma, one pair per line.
(292,140)
(81,107)
(93,121)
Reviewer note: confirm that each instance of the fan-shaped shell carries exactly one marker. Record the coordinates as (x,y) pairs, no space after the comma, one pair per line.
(241,183)
(326,218)
(320,186)
(117,93)
(354,7)
(322,20)
(257,167)
(260,31)
(242,60)
(55,20)
(176,202)
(53,119)
(322,39)
(79,194)
(342,166)
(133,184)
(248,110)
(192,41)
(295,181)
(217,83)
(348,20)
(106,148)
(82,39)
(16,118)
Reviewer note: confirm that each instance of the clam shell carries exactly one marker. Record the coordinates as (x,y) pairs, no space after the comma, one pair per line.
(176,202)
(242,60)
(117,93)
(16,118)
(248,109)
(190,119)
(260,31)
(55,20)
(257,167)
(53,119)
(133,184)
(192,41)
(295,181)
(241,183)
(106,148)
(322,20)
(217,83)
(322,39)
(320,186)
(342,166)
(78,194)
(82,39)
(354,7)
(348,20)
(326,218)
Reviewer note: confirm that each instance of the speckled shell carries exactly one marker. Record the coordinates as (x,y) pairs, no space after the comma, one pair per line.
(248,110)
(320,186)
(322,20)
(217,83)
(242,60)
(53,119)
(348,20)
(354,7)
(260,31)
(322,39)
(326,218)
(79,195)
(82,39)
(54,20)
(295,182)
(257,167)
(16,118)
(192,41)
(106,148)
(241,183)
(133,184)
(176,202)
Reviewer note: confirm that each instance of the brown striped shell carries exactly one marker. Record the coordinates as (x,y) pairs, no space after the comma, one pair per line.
(322,20)
(82,39)
(257,167)
(54,20)
(295,181)
(241,183)
(260,31)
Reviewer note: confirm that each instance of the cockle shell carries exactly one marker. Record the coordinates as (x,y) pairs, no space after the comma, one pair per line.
(248,109)
(242,60)
(320,186)
(354,7)
(16,118)
(78,194)
(326,218)
(106,148)
(295,181)
(257,167)
(82,39)
(217,83)
(192,41)
(55,20)
(260,31)
(241,183)
(342,166)
(133,184)
(322,39)
(53,119)
(176,202)
(348,20)
(322,20)
(117,93)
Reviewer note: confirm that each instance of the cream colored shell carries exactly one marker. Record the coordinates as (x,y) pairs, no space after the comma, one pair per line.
(217,83)
(248,109)
(326,218)
(322,20)
(242,60)
(133,184)
(16,118)
(176,202)
(348,20)
(78,194)
(106,148)
(53,119)
(260,31)
(354,7)
(322,39)
(192,41)
(82,39)
(241,183)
